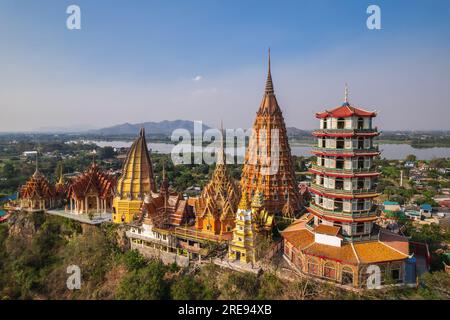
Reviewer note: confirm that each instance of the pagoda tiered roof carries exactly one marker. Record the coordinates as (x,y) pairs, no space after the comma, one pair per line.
(37,187)
(93,179)
(345,110)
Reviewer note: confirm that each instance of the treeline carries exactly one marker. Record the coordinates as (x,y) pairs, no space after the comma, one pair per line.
(36,249)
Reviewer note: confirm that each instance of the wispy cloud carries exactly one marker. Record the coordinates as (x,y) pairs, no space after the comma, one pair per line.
(198,78)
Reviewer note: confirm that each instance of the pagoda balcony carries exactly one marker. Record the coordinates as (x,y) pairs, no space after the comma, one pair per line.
(345,171)
(342,191)
(345,132)
(350,152)
(372,212)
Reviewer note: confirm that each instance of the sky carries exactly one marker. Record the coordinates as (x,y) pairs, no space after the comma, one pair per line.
(135,61)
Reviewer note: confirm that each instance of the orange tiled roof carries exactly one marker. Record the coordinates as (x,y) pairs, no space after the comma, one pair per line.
(299,238)
(329,230)
(345,253)
(395,241)
(375,251)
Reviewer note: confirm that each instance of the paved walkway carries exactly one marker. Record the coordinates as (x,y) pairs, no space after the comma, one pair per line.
(238,266)
(83,218)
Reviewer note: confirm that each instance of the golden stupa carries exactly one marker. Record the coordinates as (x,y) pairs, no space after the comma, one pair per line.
(136,181)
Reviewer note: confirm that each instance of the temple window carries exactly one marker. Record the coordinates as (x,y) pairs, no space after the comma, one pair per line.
(341,123)
(360,123)
(340,143)
(347,276)
(325,123)
(313,266)
(396,273)
(339,163)
(329,271)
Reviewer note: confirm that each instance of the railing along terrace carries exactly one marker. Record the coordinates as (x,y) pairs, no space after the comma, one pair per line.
(343,191)
(353,214)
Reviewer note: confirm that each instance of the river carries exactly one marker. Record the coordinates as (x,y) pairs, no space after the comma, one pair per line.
(389,151)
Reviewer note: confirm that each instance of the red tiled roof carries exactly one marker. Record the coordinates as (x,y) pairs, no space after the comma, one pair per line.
(345,110)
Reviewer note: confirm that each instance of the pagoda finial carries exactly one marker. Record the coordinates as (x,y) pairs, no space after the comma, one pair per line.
(221,153)
(61,176)
(269,83)
(346,93)
(37,162)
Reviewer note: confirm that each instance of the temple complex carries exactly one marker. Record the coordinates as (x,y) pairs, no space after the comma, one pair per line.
(136,181)
(37,193)
(91,192)
(338,240)
(216,207)
(268,165)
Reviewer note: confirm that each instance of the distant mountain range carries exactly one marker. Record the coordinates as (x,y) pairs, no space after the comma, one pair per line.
(163,128)
(166,127)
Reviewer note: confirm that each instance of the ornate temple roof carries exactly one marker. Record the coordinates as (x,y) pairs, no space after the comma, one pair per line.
(383,249)
(221,195)
(137,175)
(61,186)
(164,209)
(274,180)
(93,179)
(37,187)
(244,203)
(344,111)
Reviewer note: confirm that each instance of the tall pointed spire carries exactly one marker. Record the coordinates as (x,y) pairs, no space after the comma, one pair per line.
(269,83)
(37,162)
(221,153)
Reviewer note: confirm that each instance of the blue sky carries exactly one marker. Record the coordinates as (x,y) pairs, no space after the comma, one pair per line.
(137,61)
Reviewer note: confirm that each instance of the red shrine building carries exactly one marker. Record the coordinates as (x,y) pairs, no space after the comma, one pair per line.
(338,240)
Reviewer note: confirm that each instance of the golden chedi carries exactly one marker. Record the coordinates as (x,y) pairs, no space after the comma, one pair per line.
(136,181)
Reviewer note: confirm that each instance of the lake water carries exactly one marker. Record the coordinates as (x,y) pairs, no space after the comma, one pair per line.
(389,151)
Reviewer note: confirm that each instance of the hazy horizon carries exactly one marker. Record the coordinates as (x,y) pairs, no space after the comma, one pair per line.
(152,61)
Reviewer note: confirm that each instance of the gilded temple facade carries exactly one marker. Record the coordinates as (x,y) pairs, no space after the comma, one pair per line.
(216,207)
(136,181)
(268,165)
(37,193)
(91,192)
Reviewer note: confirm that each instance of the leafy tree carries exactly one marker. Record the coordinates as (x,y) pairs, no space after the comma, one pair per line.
(188,288)
(145,284)
(411,158)
(134,260)
(107,153)
(271,287)
(241,286)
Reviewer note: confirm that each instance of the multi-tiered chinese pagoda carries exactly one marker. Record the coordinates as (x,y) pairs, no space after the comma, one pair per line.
(338,239)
